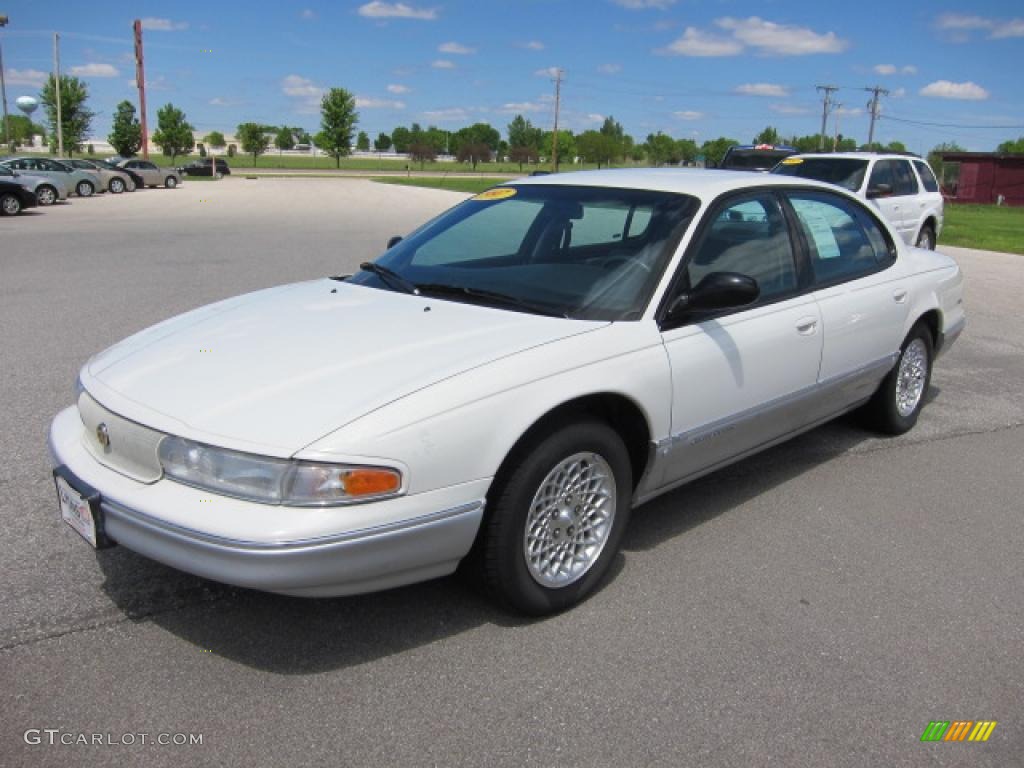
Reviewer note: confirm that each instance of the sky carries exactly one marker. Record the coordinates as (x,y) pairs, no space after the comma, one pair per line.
(686,68)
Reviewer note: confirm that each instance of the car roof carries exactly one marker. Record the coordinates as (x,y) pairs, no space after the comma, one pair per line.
(862,155)
(701,183)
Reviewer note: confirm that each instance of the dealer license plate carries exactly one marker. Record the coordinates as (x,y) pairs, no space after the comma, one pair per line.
(75,510)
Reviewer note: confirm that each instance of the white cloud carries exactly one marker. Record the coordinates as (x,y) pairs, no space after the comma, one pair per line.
(32,78)
(308,14)
(762,89)
(851,111)
(909,69)
(452,115)
(610,69)
(379,10)
(220,101)
(456,48)
(94,70)
(899,93)
(694,42)
(159,83)
(442,64)
(534,45)
(781,39)
(370,103)
(523,106)
(959,25)
(689,114)
(163,25)
(639,5)
(547,72)
(396,88)
(1011,28)
(885,69)
(594,117)
(963,21)
(944,89)
(304,92)
(788,109)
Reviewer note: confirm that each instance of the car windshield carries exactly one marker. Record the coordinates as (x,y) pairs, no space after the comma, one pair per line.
(754,159)
(582,252)
(844,171)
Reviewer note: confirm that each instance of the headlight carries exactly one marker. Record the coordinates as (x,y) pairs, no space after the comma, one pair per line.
(274,481)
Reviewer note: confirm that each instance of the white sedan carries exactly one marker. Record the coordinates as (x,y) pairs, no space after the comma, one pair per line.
(503,385)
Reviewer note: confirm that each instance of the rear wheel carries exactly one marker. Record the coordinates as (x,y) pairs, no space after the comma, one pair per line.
(10,205)
(46,195)
(898,402)
(170,182)
(116,186)
(85,189)
(556,519)
(926,237)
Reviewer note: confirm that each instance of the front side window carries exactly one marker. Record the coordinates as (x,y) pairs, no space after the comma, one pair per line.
(747,236)
(844,241)
(583,252)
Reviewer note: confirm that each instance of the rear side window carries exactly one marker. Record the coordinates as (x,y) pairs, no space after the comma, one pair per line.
(844,241)
(927,177)
(906,182)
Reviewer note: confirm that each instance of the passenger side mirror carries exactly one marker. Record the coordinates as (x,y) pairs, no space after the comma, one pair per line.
(718,290)
(882,190)
(393,241)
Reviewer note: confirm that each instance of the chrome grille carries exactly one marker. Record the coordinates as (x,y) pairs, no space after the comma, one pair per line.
(129,448)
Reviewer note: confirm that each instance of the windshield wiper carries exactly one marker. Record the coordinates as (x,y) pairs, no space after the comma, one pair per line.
(493,297)
(390,277)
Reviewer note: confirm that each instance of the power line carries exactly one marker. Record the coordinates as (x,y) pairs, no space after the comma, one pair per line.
(950,125)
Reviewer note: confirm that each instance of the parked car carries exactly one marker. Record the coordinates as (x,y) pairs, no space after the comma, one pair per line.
(15,197)
(152,174)
(755,157)
(110,180)
(77,181)
(903,187)
(517,374)
(46,190)
(134,180)
(203,167)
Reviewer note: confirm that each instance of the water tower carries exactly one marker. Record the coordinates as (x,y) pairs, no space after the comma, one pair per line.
(27,104)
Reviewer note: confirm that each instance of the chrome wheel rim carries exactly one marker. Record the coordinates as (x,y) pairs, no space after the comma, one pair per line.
(11,205)
(911,377)
(84,189)
(570,520)
(45,196)
(116,186)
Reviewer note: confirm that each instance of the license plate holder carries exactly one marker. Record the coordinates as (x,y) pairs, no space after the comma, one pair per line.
(79,506)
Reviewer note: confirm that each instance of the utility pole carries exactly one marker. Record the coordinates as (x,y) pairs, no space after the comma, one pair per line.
(826,107)
(140,81)
(3,88)
(835,141)
(57,89)
(554,136)
(873,107)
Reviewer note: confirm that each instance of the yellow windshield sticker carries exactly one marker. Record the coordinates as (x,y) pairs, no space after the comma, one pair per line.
(498,193)
(792,161)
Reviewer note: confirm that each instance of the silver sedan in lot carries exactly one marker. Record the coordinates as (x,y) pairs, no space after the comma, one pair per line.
(152,174)
(78,181)
(47,190)
(110,179)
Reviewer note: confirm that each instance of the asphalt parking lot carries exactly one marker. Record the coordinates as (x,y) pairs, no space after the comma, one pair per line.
(816,605)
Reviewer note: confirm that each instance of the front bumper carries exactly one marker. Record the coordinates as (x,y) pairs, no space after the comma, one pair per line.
(429,535)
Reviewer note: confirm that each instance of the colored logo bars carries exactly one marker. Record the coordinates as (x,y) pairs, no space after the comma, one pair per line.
(958,730)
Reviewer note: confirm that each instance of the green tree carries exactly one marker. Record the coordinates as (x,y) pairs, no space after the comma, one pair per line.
(769,135)
(422,152)
(661,149)
(253,138)
(382,143)
(567,148)
(76,117)
(125,131)
(715,150)
(363,142)
(215,139)
(471,151)
(22,130)
(1012,147)
(615,137)
(598,147)
(284,139)
(402,138)
(173,134)
(338,118)
(478,133)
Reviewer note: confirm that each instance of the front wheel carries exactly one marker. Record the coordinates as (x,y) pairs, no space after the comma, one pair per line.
(46,195)
(170,182)
(85,189)
(556,520)
(10,205)
(116,186)
(898,402)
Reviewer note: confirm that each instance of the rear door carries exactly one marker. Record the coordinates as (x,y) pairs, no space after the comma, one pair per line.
(888,202)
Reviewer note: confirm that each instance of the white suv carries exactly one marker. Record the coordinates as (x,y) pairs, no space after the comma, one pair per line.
(903,187)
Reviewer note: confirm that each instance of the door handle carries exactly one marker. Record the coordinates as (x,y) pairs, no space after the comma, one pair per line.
(899,295)
(807,326)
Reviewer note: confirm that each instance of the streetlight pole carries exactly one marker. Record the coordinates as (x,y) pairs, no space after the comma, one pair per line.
(3,88)
(56,89)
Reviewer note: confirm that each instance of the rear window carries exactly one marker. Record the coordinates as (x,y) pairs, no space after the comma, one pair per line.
(927,177)
(845,172)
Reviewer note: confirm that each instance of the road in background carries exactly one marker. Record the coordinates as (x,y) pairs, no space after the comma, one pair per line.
(816,605)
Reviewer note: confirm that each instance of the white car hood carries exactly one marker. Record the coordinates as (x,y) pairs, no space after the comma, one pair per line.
(275,370)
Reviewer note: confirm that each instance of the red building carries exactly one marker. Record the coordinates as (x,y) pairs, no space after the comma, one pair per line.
(986,176)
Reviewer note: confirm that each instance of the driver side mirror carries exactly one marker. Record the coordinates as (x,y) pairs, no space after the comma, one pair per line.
(882,190)
(393,241)
(718,290)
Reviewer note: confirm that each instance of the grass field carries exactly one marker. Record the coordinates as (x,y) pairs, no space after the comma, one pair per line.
(988,227)
(456,184)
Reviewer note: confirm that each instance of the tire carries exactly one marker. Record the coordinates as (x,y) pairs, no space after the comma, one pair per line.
(894,408)
(170,182)
(526,510)
(926,237)
(10,205)
(46,195)
(116,186)
(85,189)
